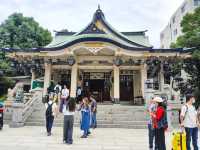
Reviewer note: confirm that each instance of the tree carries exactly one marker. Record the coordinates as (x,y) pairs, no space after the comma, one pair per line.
(5,82)
(191,39)
(23,32)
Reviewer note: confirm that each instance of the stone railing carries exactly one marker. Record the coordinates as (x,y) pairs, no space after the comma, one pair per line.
(21,111)
(30,105)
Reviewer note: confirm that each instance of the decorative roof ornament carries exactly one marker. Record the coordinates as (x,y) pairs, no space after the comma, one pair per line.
(71,60)
(99,15)
(118,61)
(99,7)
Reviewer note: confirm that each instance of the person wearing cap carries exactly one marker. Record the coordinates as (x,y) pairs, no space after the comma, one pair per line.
(160,128)
(188,118)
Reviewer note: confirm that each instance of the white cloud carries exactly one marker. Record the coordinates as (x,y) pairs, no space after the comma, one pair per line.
(126,15)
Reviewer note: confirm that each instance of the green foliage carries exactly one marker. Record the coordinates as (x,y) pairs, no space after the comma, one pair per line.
(191,39)
(3,98)
(4,81)
(191,31)
(23,32)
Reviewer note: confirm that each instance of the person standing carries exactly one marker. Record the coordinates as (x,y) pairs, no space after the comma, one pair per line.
(57,96)
(58,87)
(50,89)
(188,118)
(51,112)
(93,112)
(79,94)
(85,117)
(151,108)
(64,97)
(68,111)
(159,123)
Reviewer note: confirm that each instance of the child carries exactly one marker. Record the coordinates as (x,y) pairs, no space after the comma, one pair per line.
(85,120)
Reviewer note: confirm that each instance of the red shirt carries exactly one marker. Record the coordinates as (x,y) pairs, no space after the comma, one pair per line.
(158,116)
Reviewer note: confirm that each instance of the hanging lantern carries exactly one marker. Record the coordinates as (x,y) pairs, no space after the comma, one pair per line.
(48,61)
(71,60)
(13,64)
(118,61)
(131,61)
(138,62)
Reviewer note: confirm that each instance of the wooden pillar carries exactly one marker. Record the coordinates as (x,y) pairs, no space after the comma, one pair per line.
(74,74)
(143,79)
(116,84)
(47,76)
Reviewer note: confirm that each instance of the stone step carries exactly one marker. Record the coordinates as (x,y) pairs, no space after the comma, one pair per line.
(108,116)
(98,120)
(99,125)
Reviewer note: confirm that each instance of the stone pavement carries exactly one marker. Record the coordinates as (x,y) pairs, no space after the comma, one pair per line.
(34,138)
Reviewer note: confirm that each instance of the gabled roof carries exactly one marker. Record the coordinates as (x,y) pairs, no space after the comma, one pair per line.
(99,28)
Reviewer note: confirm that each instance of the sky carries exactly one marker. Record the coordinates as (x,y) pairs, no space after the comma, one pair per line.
(74,15)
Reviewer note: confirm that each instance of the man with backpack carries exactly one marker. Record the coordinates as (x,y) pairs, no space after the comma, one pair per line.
(51,112)
(188,119)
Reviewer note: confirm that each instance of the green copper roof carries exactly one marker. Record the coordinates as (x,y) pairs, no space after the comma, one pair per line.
(104,30)
(140,39)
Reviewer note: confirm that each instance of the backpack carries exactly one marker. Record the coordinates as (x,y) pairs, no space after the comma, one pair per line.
(163,123)
(49,110)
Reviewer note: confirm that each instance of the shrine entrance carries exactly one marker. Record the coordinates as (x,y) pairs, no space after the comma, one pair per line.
(126,85)
(97,84)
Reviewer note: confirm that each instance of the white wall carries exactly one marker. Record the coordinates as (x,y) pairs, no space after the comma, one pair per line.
(167,36)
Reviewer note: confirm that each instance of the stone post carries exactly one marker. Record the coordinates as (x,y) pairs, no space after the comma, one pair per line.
(47,77)
(32,77)
(162,80)
(17,115)
(73,88)
(116,84)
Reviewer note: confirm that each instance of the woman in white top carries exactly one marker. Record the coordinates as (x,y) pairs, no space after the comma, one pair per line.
(68,111)
(63,98)
(65,92)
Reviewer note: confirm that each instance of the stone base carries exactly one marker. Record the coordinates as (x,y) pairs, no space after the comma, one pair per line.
(16,125)
(17,115)
(116,100)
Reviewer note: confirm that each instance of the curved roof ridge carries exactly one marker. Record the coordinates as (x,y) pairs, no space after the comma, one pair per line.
(99,16)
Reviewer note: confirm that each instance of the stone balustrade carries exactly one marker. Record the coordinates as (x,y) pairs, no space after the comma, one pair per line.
(21,111)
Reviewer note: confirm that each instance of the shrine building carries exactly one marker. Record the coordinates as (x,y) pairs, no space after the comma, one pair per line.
(113,66)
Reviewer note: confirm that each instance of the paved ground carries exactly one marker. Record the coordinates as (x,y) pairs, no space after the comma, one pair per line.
(34,138)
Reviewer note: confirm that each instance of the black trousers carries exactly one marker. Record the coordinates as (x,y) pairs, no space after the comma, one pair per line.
(160,138)
(49,123)
(68,128)
(1,120)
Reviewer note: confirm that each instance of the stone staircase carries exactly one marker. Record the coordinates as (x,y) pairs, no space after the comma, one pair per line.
(108,116)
